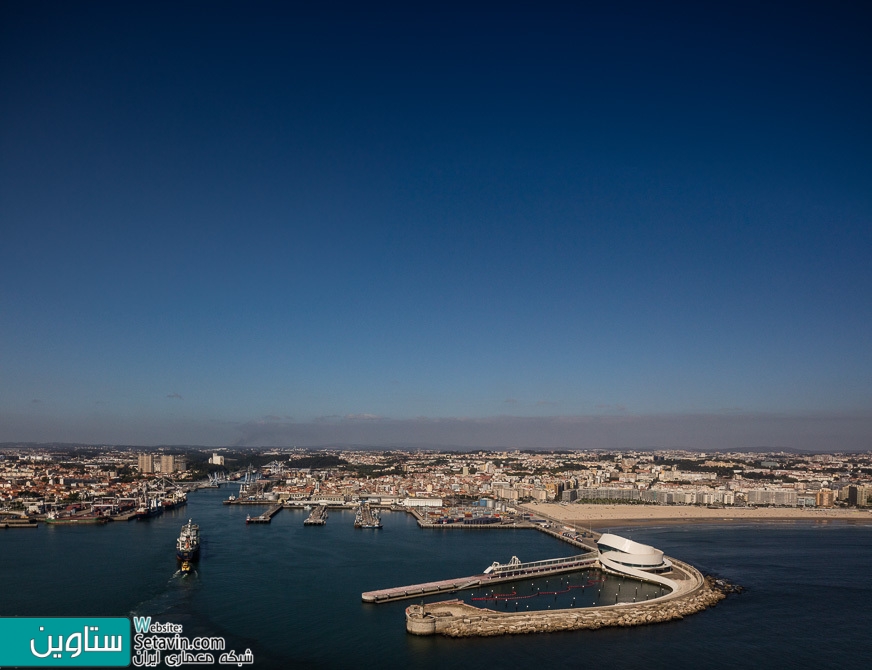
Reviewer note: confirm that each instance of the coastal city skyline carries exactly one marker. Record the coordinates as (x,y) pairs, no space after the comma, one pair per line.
(582,227)
(418,543)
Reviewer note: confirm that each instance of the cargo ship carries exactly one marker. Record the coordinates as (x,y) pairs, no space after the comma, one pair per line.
(64,518)
(188,544)
(150,507)
(174,499)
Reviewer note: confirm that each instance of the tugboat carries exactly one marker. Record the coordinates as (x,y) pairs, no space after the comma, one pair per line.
(188,544)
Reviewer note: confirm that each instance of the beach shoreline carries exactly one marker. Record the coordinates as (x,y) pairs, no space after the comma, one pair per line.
(607,516)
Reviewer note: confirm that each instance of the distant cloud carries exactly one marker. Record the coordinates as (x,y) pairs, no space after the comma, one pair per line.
(510,401)
(546,403)
(363,417)
(36,401)
(174,395)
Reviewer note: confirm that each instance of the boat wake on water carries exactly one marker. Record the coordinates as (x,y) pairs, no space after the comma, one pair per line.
(175,601)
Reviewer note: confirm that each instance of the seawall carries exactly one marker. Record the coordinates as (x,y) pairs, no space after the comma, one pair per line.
(454,618)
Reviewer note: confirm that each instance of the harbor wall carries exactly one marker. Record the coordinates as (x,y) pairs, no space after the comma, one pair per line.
(457,619)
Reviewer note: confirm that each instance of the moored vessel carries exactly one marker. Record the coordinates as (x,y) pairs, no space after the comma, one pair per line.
(54,518)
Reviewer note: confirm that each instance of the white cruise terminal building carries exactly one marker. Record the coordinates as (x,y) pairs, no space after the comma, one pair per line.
(625,557)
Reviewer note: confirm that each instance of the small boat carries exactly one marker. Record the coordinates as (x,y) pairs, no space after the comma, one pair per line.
(188,544)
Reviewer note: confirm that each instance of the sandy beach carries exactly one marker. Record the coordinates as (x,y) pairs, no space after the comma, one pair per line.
(602,516)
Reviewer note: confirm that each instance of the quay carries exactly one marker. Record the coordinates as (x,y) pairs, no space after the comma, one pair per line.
(494,574)
(18,524)
(247,501)
(317,517)
(472,523)
(266,517)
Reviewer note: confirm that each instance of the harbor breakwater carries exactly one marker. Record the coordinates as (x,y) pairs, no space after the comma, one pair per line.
(455,618)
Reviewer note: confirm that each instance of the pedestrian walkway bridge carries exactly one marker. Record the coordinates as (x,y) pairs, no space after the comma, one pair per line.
(515,568)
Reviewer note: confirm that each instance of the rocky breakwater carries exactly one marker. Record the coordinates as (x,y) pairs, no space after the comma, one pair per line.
(456,619)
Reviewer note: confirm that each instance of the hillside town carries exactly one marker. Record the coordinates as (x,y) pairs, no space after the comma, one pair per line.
(49,482)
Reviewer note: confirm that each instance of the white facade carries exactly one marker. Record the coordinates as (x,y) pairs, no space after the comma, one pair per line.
(617,549)
(422,502)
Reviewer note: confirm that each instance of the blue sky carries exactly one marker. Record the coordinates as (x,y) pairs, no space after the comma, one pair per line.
(430,223)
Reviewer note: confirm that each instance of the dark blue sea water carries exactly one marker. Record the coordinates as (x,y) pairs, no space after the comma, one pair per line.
(292,593)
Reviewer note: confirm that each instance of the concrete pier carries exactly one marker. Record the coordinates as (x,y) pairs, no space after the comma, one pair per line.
(18,524)
(365,517)
(266,517)
(317,517)
(427,588)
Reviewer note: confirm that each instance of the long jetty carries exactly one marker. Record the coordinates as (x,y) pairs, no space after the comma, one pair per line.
(266,517)
(495,574)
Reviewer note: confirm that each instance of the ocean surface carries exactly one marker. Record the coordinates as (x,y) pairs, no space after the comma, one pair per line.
(292,593)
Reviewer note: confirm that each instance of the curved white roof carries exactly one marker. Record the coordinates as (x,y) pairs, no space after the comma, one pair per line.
(622,550)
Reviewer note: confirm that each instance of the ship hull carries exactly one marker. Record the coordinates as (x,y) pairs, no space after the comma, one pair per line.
(188,555)
(75,520)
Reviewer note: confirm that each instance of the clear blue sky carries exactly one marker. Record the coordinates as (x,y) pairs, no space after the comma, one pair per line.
(483,224)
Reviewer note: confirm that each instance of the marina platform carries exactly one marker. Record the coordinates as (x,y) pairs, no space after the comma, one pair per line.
(317,517)
(495,574)
(418,590)
(266,517)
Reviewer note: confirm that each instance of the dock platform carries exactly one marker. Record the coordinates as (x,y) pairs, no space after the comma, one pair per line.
(317,517)
(495,574)
(266,517)
(366,517)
